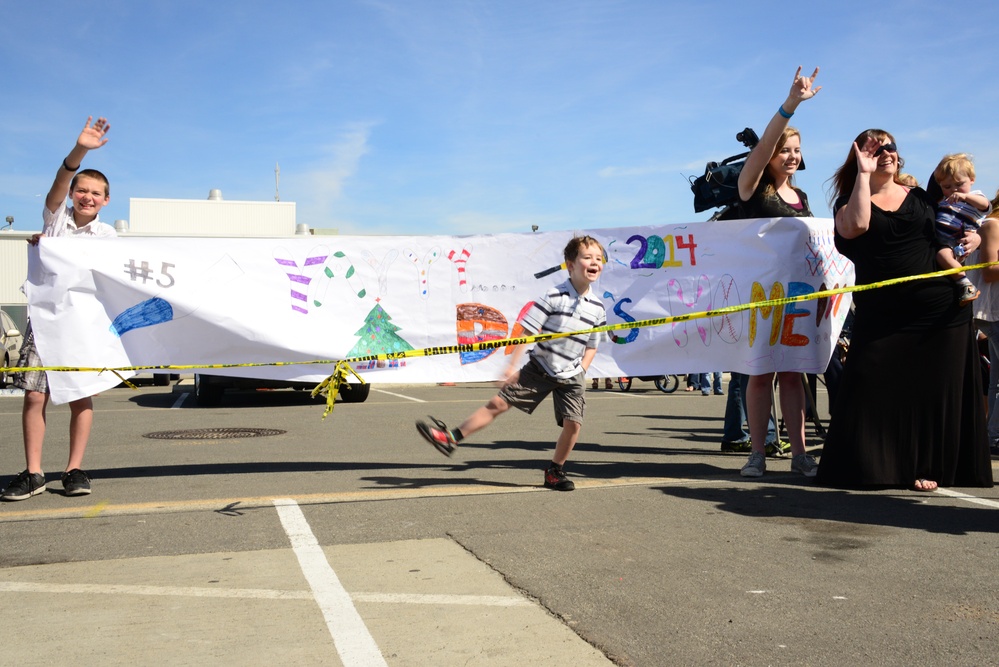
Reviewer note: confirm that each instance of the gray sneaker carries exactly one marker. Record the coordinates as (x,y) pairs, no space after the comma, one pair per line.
(805,464)
(755,466)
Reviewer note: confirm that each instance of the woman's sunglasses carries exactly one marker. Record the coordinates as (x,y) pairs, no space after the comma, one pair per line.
(891,148)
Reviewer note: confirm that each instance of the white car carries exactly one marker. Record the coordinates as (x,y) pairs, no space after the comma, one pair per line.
(11,340)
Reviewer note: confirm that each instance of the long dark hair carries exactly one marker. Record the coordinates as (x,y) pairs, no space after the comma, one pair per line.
(846,176)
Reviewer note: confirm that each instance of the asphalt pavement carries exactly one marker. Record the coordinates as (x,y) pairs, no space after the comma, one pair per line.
(258,533)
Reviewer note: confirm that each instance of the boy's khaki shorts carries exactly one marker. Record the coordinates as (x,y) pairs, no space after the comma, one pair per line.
(534,384)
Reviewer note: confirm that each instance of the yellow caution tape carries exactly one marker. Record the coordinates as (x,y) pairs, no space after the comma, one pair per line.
(331,385)
(342,369)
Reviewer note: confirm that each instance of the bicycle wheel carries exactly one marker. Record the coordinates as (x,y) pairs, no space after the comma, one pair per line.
(624,384)
(667,384)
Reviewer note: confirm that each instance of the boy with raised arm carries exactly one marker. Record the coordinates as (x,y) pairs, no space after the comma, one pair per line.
(89,192)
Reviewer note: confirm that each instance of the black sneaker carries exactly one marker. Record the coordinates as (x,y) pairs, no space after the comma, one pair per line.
(24,486)
(75,482)
(556,479)
(439,436)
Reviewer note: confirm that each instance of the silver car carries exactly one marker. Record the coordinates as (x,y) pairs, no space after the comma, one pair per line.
(11,340)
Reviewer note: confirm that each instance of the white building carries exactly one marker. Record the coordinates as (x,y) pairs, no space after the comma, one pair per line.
(159,217)
(13,269)
(211,217)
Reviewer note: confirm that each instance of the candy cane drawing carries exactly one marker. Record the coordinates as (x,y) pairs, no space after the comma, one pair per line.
(332,269)
(301,276)
(459,260)
(423,268)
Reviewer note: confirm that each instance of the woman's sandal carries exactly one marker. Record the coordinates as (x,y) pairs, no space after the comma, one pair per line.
(925,485)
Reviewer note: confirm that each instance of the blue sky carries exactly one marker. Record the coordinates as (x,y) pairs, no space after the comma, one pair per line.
(469,116)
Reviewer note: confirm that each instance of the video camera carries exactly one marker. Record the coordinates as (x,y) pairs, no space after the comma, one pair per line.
(719,186)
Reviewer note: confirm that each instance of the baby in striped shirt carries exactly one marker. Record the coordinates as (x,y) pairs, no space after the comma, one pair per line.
(959,210)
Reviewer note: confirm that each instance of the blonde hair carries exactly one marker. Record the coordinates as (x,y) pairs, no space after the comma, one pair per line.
(766,178)
(908,180)
(953,165)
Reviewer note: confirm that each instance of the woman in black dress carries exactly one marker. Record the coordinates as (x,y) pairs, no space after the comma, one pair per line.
(909,411)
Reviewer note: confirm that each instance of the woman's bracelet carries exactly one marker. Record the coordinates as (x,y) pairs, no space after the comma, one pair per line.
(783,113)
(68,168)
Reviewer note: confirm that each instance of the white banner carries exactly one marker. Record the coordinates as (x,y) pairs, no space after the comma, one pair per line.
(135,301)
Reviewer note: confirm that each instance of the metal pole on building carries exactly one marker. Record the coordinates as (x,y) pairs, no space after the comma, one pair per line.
(277,182)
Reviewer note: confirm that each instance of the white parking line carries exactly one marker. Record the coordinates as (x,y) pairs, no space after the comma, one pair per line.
(180,400)
(256,594)
(354,644)
(971,499)
(408,398)
(156,591)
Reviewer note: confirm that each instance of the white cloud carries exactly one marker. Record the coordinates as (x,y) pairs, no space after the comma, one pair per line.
(342,162)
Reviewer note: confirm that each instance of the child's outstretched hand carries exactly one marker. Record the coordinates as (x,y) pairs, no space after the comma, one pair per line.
(93,136)
(955,197)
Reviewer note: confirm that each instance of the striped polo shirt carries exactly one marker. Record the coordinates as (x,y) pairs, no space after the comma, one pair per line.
(560,310)
(954,218)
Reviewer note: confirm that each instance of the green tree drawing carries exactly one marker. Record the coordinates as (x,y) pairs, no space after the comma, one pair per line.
(378,335)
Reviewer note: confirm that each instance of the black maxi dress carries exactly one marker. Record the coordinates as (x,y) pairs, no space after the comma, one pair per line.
(910,403)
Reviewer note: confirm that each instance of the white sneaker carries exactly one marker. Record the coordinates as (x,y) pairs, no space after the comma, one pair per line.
(756,465)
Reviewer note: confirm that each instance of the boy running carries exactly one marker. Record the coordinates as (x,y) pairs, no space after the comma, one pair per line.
(556,366)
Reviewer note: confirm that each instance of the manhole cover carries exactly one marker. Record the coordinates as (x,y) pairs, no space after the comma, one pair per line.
(213,433)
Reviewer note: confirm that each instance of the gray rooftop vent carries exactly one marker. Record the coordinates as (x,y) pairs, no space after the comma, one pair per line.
(214,195)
